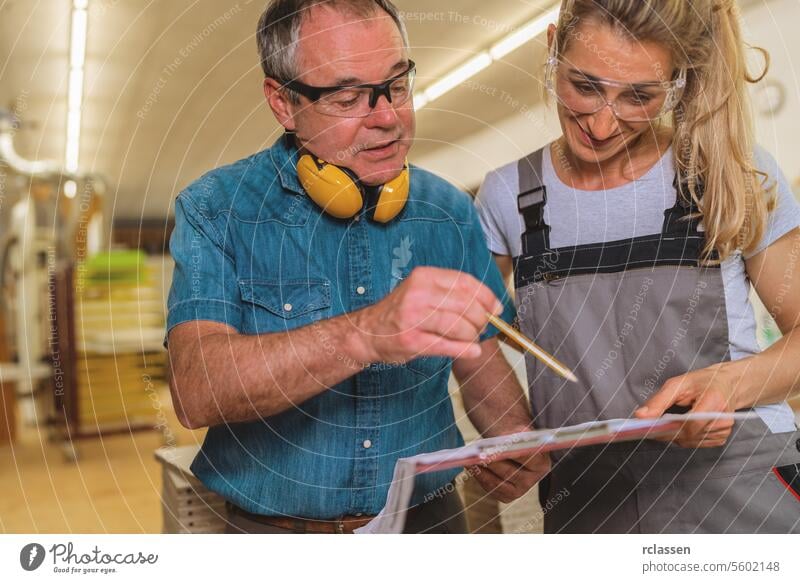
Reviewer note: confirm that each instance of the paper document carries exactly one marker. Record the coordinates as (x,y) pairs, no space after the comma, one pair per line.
(391,519)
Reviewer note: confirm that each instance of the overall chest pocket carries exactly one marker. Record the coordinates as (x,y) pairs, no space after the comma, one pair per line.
(280,305)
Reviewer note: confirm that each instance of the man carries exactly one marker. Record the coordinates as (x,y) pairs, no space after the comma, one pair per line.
(317,349)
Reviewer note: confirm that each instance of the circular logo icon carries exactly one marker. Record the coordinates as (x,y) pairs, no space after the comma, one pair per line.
(31,556)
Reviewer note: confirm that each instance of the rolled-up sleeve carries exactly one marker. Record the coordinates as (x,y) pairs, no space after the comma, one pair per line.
(204,283)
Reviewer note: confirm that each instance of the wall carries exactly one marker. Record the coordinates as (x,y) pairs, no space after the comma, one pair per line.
(773,26)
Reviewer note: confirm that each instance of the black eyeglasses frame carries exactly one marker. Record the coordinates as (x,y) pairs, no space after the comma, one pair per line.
(314,93)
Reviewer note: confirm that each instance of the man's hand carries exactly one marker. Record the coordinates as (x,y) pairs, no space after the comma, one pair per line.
(496,405)
(434,312)
(506,480)
(709,390)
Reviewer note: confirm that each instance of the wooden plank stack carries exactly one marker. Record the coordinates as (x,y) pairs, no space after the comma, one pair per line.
(119,331)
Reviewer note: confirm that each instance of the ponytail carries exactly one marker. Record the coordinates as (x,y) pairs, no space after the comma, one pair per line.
(713,142)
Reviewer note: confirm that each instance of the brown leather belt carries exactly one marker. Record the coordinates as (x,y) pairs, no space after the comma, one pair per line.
(341,525)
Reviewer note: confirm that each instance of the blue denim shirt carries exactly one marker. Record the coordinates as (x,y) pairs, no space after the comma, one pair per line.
(251,250)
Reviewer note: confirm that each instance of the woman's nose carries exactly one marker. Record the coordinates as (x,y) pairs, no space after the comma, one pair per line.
(604,123)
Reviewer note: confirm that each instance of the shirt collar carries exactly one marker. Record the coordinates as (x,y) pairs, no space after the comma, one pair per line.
(284,156)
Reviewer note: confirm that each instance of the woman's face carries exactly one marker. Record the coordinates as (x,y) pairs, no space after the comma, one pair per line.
(599,51)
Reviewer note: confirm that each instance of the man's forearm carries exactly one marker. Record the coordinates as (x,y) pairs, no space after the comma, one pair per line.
(219,375)
(493,397)
(228,377)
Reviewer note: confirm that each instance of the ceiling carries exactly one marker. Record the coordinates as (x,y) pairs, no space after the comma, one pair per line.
(173,87)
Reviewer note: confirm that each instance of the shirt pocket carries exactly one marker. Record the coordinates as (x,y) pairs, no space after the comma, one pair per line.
(285,304)
(428,367)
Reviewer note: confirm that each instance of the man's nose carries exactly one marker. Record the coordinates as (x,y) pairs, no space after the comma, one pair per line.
(604,123)
(383,114)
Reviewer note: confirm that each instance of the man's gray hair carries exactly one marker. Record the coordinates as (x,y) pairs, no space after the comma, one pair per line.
(278,30)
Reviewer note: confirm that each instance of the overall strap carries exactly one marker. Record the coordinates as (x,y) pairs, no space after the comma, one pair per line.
(676,219)
(531,201)
(683,220)
(680,243)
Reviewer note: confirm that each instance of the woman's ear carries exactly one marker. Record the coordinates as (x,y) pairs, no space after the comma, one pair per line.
(551,35)
(279,103)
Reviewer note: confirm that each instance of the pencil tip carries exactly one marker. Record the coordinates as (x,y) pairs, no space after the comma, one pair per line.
(572,378)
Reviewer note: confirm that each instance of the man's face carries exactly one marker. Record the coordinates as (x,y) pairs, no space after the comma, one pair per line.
(341,49)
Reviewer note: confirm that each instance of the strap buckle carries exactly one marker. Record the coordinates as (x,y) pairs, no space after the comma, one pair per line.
(531,205)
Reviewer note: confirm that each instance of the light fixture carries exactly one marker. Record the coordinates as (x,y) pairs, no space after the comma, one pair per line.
(77,60)
(75,91)
(73,140)
(70,189)
(524,35)
(469,69)
(78,39)
(420,101)
(476,64)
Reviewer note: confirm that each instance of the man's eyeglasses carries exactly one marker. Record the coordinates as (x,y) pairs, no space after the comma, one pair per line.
(357,100)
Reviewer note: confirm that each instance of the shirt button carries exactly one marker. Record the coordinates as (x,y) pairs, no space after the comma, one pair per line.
(361,290)
(287,307)
(367,444)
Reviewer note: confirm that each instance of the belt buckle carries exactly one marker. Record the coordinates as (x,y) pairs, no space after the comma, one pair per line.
(339,526)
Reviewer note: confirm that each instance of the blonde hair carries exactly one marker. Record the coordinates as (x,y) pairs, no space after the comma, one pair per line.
(713,141)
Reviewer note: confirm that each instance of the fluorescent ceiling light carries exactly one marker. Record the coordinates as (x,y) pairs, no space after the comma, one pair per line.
(78,40)
(469,69)
(523,35)
(505,46)
(77,60)
(75,90)
(73,140)
(73,122)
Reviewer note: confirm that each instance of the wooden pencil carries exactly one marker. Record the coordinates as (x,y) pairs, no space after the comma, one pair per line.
(524,342)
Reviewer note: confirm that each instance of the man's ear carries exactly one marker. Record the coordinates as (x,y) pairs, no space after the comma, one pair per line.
(279,103)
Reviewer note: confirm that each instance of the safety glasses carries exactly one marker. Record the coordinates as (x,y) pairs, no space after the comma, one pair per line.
(357,100)
(584,94)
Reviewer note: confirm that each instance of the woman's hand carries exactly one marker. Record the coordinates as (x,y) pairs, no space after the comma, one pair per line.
(709,390)
(769,377)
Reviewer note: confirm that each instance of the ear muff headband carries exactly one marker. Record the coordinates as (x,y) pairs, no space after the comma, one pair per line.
(336,190)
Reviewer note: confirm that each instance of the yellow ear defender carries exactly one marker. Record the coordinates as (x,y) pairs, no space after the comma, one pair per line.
(338,192)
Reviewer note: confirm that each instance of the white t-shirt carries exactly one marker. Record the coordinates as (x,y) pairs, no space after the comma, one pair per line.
(579,217)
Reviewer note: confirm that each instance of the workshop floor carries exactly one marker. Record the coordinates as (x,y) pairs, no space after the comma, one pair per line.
(113,486)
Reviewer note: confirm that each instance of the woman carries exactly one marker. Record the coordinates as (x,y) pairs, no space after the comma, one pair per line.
(634,240)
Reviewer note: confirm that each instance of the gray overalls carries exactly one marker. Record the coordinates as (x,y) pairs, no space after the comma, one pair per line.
(628,315)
